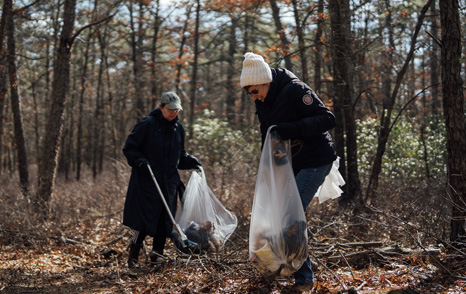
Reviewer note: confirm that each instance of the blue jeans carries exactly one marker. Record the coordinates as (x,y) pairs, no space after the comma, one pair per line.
(308,181)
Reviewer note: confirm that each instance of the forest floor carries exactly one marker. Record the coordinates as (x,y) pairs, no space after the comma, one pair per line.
(369,252)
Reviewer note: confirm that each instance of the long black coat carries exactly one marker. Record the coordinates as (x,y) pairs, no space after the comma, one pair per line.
(291,101)
(161,143)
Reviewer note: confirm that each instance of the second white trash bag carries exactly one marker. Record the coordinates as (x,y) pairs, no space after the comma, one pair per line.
(330,188)
(203,217)
(277,234)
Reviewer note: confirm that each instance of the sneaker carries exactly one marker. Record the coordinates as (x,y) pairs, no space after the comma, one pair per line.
(300,287)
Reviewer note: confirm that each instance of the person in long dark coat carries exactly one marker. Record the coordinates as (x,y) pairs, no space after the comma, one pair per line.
(157,140)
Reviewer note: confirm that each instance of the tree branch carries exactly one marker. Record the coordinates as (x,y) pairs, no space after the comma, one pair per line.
(90,25)
(406,105)
(434,38)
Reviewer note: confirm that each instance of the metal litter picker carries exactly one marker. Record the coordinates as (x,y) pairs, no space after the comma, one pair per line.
(181,235)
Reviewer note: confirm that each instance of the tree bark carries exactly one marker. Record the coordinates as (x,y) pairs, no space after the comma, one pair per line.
(246,106)
(318,48)
(2,82)
(154,53)
(60,85)
(434,63)
(2,103)
(194,68)
(137,55)
(301,42)
(387,105)
(15,104)
(231,72)
(79,134)
(453,105)
(98,121)
(113,107)
(344,93)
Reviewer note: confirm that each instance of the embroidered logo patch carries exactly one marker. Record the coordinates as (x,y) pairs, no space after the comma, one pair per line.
(307,99)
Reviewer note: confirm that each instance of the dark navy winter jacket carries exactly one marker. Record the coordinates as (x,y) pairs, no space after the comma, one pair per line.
(294,104)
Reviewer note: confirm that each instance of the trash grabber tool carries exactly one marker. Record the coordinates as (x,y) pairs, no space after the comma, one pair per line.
(181,234)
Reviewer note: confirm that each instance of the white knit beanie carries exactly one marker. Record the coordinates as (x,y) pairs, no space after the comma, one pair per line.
(255,71)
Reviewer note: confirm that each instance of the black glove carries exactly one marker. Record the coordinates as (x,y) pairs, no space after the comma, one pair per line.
(141,164)
(287,130)
(193,162)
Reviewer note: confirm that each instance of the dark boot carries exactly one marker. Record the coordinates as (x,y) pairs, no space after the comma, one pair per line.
(133,255)
(156,258)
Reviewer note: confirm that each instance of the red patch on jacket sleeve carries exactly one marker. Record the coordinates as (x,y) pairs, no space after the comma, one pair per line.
(307,99)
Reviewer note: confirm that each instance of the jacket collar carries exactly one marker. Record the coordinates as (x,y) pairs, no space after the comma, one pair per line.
(157,113)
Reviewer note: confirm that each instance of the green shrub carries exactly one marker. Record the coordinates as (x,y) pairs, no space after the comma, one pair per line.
(220,145)
(230,157)
(405,157)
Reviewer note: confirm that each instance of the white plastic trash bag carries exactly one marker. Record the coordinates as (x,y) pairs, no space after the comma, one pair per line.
(330,188)
(277,235)
(204,219)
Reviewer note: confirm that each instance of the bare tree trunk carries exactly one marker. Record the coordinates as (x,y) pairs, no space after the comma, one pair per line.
(154,53)
(453,105)
(245,105)
(434,63)
(194,72)
(60,84)
(2,82)
(62,164)
(363,84)
(386,92)
(15,105)
(68,152)
(339,131)
(51,51)
(98,122)
(368,106)
(8,162)
(344,92)
(301,42)
(35,102)
(285,45)
(231,72)
(386,115)
(318,48)
(112,113)
(2,103)
(79,133)
(137,55)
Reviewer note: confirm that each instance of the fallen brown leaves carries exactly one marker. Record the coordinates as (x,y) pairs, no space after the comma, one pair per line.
(368,252)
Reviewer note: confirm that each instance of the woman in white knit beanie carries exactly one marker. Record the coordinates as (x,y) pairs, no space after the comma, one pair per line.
(297,113)
(256,72)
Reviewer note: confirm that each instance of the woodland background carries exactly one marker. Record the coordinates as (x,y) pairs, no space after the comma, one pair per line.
(75,77)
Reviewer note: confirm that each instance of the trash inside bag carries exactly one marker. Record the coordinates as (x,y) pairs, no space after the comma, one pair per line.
(277,235)
(278,149)
(204,219)
(281,256)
